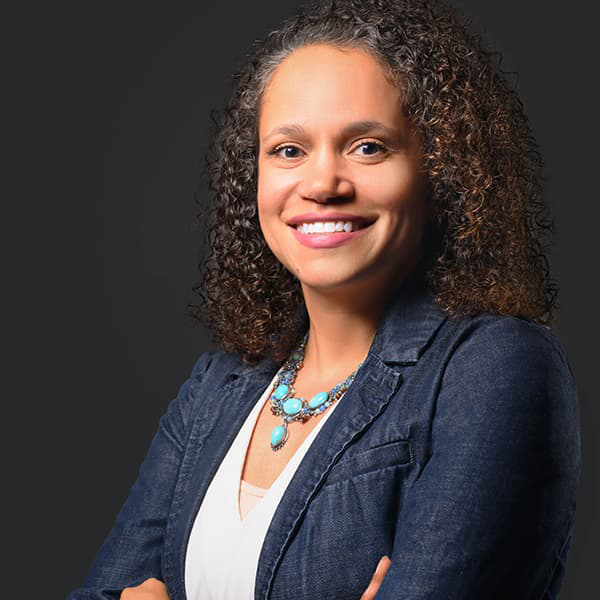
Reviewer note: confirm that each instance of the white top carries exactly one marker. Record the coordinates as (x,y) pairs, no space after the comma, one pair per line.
(223,549)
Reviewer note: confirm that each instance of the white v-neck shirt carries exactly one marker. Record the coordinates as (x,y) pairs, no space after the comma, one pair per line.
(223,550)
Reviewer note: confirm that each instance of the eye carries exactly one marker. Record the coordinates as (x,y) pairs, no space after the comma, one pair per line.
(285,151)
(289,151)
(372,148)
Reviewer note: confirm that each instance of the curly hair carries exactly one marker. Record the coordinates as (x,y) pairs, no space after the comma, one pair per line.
(486,245)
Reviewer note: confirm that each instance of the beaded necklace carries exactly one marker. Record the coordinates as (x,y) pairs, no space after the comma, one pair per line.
(290,408)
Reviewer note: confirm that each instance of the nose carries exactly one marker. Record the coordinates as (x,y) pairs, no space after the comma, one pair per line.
(324,180)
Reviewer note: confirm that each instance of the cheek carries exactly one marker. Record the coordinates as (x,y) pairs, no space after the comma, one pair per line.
(270,204)
(396,190)
(265,199)
(270,198)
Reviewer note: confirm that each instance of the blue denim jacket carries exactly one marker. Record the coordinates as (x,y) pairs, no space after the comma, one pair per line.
(455,451)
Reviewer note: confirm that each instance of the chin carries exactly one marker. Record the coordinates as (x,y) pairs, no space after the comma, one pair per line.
(325,284)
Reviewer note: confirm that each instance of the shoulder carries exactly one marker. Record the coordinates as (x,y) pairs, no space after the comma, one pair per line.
(209,372)
(216,369)
(213,367)
(507,402)
(507,376)
(513,346)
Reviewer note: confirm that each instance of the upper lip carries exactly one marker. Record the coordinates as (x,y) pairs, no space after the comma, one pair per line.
(324,217)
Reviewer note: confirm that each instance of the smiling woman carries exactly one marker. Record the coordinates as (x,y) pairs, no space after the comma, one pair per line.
(388,413)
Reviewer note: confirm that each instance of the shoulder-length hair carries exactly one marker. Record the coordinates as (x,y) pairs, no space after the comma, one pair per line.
(486,245)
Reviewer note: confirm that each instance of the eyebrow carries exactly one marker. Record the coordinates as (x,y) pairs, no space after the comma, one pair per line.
(355,128)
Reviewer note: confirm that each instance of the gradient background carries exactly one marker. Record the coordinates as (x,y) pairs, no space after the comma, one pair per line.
(106,123)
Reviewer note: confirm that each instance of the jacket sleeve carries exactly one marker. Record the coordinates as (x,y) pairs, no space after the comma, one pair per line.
(132,551)
(491,513)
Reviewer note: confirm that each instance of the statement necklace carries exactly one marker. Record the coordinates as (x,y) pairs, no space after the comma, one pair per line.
(286,405)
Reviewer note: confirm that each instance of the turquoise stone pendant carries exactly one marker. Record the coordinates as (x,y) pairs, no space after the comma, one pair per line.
(279,436)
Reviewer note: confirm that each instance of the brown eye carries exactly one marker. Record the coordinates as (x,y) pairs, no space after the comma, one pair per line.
(285,151)
(372,148)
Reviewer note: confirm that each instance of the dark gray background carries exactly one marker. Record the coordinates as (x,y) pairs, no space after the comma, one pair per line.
(106,124)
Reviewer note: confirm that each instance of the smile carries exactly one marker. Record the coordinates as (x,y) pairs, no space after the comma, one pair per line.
(329,226)
(328,234)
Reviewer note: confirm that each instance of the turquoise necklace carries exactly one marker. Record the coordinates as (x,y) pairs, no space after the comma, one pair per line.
(285,404)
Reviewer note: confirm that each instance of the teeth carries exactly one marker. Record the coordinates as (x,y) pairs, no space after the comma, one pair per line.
(327,227)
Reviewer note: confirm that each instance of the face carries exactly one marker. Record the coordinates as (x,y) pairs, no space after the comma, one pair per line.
(337,152)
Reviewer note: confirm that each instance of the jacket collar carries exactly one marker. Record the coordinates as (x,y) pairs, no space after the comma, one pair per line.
(410,321)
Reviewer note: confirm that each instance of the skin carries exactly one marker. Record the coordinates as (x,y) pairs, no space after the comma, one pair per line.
(346,289)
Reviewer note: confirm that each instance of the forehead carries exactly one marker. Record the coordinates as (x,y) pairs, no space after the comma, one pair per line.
(321,85)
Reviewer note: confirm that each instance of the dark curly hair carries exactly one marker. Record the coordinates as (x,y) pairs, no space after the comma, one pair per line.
(486,246)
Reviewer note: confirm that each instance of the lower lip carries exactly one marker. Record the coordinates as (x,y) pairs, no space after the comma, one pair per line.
(327,240)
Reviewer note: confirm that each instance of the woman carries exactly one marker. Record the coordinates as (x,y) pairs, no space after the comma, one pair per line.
(389,414)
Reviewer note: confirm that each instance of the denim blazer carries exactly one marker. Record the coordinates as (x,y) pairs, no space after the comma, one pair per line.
(456,452)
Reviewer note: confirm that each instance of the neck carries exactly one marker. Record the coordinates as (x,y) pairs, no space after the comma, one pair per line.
(342,328)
